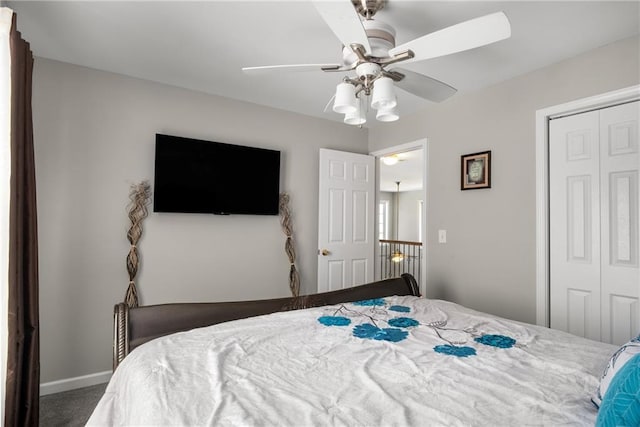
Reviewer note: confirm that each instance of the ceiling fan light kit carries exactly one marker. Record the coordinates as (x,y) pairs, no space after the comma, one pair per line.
(356,118)
(369,48)
(387,114)
(383,95)
(345,100)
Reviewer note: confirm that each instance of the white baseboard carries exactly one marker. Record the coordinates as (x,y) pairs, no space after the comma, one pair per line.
(74,383)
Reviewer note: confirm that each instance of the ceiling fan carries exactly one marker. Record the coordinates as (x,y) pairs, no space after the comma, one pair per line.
(369,51)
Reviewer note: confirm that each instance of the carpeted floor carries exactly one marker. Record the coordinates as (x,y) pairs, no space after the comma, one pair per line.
(70,408)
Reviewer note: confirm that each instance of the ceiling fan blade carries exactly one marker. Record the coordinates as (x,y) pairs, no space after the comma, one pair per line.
(423,86)
(344,21)
(457,38)
(292,68)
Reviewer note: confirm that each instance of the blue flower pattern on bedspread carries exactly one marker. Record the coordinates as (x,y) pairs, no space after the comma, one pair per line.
(376,311)
(369,331)
(370,302)
(334,320)
(500,341)
(454,350)
(403,322)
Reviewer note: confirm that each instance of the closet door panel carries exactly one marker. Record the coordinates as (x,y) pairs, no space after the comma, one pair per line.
(574,224)
(620,272)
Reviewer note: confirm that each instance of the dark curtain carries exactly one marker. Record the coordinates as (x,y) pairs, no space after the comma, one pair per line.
(23,361)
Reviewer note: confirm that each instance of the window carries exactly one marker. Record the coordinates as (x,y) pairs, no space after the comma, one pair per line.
(420,210)
(383,220)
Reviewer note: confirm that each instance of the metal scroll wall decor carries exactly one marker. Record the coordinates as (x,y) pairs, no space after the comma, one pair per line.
(140,197)
(287,227)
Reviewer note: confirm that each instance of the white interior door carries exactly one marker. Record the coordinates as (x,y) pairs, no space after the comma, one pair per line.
(574,228)
(619,165)
(345,220)
(594,222)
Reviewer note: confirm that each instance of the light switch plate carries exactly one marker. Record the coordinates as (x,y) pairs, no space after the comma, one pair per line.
(442,236)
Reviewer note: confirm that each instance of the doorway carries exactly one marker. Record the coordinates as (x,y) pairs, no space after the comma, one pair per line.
(401,212)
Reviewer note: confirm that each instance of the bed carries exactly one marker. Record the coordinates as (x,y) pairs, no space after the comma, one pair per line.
(372,355)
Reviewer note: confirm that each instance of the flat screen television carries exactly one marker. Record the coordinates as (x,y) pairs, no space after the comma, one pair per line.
(195,176)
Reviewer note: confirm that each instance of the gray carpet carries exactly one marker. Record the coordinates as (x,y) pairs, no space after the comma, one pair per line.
(70,408)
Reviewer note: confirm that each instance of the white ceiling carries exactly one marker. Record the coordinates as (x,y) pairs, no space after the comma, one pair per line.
(408,171)
(203,45)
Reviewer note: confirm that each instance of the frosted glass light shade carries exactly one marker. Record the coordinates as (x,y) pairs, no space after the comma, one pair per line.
(387,114)
(356,118)
(345,101)
(383,94)
(390,160)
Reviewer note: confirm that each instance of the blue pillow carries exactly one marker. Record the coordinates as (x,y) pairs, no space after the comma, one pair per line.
(617,361)
(621,403)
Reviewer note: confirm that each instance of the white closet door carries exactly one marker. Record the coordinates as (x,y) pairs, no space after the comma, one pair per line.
(574,191)
(620,275)
(594,223)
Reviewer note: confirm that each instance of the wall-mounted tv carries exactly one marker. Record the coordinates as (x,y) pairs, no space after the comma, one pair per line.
(195,176)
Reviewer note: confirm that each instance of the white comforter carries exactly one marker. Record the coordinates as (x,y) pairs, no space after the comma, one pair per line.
(300,368)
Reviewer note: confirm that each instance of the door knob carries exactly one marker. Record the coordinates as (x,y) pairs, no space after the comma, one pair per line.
(325,252)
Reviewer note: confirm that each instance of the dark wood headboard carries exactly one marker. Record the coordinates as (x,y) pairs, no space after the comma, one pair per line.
(135,326)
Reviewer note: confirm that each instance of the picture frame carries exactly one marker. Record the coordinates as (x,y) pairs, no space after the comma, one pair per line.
(475,170)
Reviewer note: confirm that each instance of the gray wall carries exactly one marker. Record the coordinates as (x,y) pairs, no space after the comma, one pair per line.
(408,220)
(408,205)
(94,136)
(489,261)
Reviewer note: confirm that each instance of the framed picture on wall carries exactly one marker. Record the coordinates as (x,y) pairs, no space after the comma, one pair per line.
(475,171)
